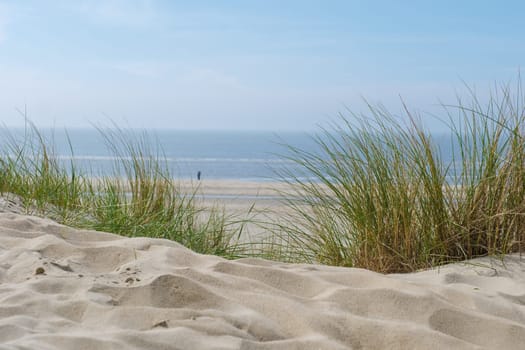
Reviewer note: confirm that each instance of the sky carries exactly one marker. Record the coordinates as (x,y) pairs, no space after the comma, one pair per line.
(247,64)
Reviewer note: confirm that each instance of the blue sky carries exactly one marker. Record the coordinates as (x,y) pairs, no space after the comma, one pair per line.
(264,65)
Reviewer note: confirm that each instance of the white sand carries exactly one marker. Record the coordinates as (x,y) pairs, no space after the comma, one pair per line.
(63,288)
(237,196)
(256,201)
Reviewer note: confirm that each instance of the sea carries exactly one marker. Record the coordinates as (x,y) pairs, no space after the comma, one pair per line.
(234,155)
(229,155)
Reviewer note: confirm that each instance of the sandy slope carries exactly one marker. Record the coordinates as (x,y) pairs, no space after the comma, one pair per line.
(62,288)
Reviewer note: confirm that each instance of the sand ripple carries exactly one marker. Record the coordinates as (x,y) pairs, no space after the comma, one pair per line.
(63,288)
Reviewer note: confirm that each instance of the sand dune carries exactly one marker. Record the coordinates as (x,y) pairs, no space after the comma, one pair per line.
(63,288)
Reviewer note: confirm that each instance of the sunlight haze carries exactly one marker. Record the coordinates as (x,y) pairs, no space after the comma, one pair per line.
(258,65)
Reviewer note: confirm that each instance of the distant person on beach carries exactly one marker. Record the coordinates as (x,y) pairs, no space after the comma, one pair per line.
(199,175)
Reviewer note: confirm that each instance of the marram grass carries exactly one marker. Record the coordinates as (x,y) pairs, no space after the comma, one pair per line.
(140,197)
(381,197)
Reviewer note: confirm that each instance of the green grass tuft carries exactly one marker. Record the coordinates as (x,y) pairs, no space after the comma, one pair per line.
(382,198)
(379,194)
(140,197)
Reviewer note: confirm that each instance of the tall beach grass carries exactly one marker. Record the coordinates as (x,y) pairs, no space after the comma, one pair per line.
(378,194)
(139,198)
(381,197)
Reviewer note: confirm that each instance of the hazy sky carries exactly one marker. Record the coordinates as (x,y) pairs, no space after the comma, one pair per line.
(260,64)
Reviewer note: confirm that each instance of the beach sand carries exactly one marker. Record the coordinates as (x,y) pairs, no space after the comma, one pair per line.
(240,200)
(63,288)
(236,196)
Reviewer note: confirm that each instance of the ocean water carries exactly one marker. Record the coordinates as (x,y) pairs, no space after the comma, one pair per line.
(235,155)
(246,156)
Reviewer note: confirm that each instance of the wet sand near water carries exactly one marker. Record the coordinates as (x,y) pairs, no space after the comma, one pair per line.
(259,201)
